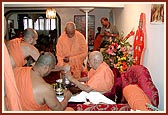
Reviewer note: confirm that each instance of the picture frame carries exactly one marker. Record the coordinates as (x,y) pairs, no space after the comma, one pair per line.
(157,14)
(80,21)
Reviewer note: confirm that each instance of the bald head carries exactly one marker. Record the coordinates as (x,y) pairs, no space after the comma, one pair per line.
(30,36)
(97,56)
(70,29)
(46,58)
(95,59)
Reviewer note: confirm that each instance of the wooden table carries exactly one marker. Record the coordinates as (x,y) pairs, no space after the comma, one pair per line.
(51,79)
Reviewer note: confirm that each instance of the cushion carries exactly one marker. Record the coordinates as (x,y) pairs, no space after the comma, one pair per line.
(136,97)
(116,91)
(138,74)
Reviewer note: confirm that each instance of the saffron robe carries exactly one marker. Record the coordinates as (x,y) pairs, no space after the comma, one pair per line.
(12,95)
(136,97)
(97,42)
(75,48)
(101,79)
(24,85)
(139,40)
(16,52)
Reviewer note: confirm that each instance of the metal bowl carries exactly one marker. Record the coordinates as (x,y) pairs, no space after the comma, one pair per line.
(59,91)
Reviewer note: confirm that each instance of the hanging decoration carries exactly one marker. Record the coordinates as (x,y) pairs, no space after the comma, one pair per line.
(51,13)
(139,40)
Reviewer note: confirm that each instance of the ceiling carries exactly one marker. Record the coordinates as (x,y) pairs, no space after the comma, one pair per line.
(62,4)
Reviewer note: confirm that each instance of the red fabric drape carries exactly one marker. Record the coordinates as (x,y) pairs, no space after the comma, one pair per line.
(97,42)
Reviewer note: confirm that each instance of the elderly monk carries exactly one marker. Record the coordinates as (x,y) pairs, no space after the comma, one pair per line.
(12,102)
(21,48)
(72,49)
(100,77)
(35,93)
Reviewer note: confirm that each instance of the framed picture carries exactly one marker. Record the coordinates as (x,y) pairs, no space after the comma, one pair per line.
(157,13)
(80,21)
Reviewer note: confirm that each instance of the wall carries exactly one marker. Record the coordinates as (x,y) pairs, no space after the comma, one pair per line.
(154,57)
(67,14)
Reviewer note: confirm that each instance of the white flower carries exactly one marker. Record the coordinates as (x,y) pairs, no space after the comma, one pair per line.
(118,46)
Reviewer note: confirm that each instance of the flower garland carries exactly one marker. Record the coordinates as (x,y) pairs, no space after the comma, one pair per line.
(118,53)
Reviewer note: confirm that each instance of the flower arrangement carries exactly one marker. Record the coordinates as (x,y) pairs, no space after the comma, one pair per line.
(118,53)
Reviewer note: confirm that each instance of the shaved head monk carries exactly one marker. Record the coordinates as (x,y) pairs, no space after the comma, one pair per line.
(100,77)
(71,48)
(21,48)
(35,93)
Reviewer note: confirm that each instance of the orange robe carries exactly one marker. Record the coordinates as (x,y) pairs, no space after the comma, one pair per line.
(139,40)
(101,79)
(24,85)
(12,95)
(75,48)
(97,42)
(136,97)
(16,52)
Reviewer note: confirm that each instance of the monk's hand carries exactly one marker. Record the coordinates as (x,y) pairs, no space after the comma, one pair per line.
(69,76)
(67,94)
(66,68)
(66,59)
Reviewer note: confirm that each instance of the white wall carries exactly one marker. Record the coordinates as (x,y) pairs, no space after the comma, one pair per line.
(67,14)
(154,58)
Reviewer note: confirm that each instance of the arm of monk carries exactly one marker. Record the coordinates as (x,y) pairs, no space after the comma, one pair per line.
(65,67)
(30,50)
(50,99)
(83,87)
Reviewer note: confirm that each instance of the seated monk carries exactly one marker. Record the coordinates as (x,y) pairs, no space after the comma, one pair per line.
(35,93)
(21,48)
(100,77)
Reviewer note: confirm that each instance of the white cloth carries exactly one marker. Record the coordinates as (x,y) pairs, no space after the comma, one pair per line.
(93,97)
